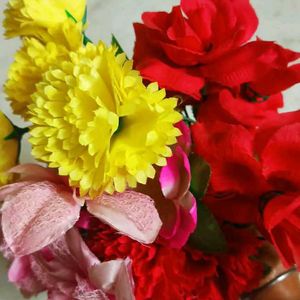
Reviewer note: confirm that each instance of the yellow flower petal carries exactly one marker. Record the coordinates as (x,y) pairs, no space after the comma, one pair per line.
(31,61)
(46,20)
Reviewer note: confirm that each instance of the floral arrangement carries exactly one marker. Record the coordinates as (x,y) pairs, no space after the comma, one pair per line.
(163,177)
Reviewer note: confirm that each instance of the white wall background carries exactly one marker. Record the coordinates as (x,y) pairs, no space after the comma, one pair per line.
(279,21)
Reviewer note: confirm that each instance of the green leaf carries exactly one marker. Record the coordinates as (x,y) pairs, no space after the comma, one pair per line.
(200,172)
(84,19)
(208,237)
(17,133)
(116,43)
(86,39)
(69,15)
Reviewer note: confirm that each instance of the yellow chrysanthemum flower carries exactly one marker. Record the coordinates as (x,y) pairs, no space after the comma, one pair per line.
(31,61)
(8,150)
(96,122)
(47,20)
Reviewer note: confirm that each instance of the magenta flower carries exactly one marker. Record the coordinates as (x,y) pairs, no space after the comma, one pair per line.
(175,181)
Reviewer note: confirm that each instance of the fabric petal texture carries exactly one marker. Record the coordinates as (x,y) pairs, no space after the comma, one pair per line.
(131,213)
(37,215)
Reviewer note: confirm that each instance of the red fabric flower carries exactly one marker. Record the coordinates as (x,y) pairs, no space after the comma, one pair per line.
(236,176)
(282,221)
(226,107)
(172,274)
(277,144)
(263,66)
(248,163)
(171,46)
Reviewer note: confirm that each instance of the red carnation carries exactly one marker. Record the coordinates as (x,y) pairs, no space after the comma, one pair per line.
(170,47)
(171,274)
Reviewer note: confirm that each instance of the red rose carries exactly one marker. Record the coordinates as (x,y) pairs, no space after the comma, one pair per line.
(282,221)
(170,47)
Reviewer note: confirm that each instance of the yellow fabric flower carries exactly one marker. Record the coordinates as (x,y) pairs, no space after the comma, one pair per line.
(33,59)
(8,150)
(47,20)
(96,122)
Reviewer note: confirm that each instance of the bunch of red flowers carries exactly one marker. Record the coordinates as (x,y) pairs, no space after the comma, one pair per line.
(201,51)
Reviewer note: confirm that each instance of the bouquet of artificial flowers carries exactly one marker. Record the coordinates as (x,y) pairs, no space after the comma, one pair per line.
(162,177)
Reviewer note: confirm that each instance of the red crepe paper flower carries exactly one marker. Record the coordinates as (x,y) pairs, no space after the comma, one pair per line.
(236,176)
(248,163)
(282,222)
(170,47)
(229,151)
(164,273)
(227,107)
(277,144)
(263,66)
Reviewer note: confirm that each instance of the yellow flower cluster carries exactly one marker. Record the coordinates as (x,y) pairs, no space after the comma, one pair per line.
(50,29)
(95,120)
(92,117)
(8,150)
(31,61)
(43,19)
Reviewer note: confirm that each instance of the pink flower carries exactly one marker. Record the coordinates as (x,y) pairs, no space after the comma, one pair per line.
(175,181)
(67,269)
(41,208)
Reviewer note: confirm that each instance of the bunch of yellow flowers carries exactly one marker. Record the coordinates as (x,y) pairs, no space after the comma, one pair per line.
(92,117)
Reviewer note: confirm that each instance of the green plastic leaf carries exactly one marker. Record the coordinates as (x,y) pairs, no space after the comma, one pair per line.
(84,19)
(200,172)
(208,237)
(116,43)
(86,40)
(17,133)
(69,15)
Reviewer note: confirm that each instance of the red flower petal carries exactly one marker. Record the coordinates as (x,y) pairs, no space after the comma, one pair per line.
(225,107)
(271,125)
(282,219)
(228,150)
(280,158)
(254,62)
